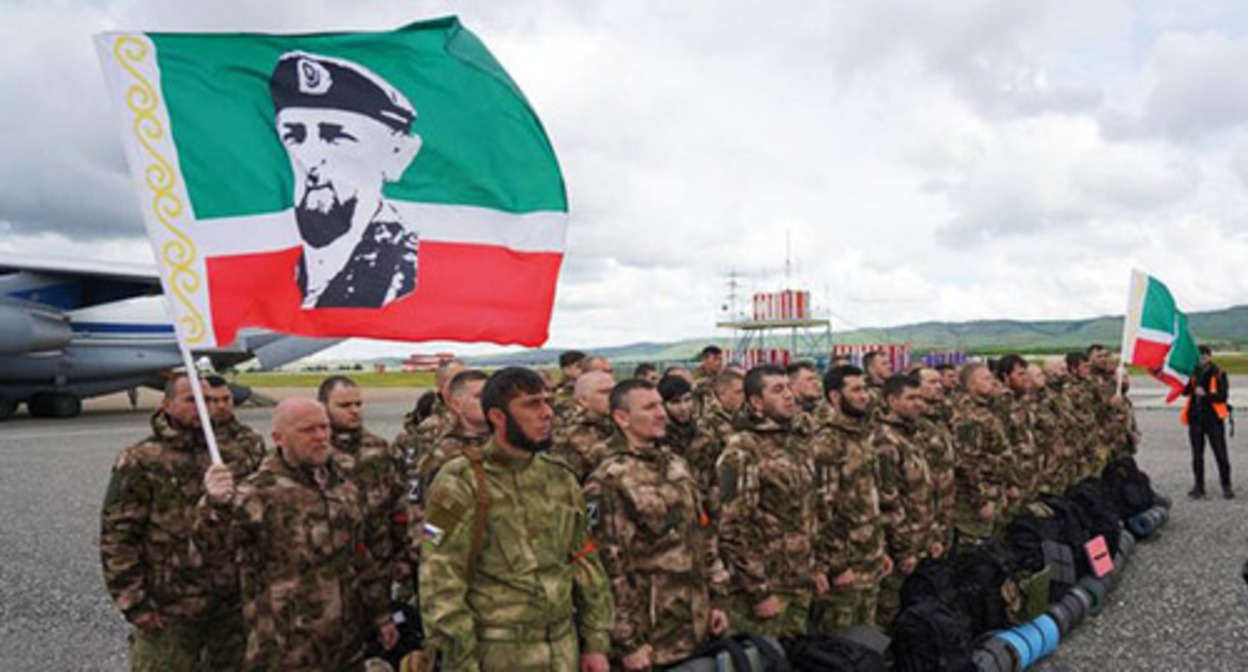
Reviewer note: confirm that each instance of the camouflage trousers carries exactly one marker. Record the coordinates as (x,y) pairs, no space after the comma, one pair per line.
(838,611)
(793,619)
(190,646)
(560,654)
(889,602)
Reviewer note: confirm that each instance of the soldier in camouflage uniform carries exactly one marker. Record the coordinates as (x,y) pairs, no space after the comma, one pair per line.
(851,540)
(469,431)
(509,578)
(718,414)
(1119,431)
(372,466)
(878,369)
(431,417)
(687,437)
(220,402)
(982,472)
(648,518)
(1047,430)
(1015,409)
(571,365)
(581,431)
(296,531)
(1069,439)
(768,506)
(936,434)
(185,613)
(907,491)
(1086,403)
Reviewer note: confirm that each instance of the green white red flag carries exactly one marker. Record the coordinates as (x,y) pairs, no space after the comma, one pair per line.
(393,185)
(1155,334)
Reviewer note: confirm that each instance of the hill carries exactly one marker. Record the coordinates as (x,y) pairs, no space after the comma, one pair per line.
(1222,329)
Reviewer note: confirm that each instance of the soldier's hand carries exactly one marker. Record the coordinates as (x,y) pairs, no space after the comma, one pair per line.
(986,511)
(719,622)
(219,484)
(768,608)
(147,621)
(821,584)
(845,580)
(639,660)
(388,635)
(595,662)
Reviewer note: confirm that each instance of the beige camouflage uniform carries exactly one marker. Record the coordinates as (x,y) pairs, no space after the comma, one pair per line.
(299,538)
(983,466)
(936,435)
(648,519)
(536,580)
(150,562)
(579,440)
(767,525)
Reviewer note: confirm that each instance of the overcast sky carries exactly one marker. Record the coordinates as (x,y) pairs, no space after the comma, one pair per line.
(927,160)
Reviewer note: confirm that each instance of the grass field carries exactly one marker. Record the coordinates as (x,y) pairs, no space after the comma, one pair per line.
(399,379)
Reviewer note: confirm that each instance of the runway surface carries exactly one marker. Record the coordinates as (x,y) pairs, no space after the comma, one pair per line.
(1182,605)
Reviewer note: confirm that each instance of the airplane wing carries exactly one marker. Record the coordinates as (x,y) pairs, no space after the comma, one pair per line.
(72,284)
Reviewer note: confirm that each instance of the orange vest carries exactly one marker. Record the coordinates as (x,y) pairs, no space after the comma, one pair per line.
(1219,408)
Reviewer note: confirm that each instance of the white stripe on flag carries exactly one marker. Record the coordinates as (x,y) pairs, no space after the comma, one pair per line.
(530,232)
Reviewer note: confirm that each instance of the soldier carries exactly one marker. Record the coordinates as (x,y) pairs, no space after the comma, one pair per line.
(571,365)
(710,363)
(686,436)
(907,490)
(372,466)
(220,401)
(804,380)
(296,531)
(430,419)
(647,372)
(720,410)
(680,372)
(1047,430)
(1085,402)
(935,433)
(767,525)
(878,369)
(184,613)
(1205,415)
(509,579)
(1015,410)
(1119,430)
(948,377)
(581,431)
(648,518)
(983,456)
(851,543)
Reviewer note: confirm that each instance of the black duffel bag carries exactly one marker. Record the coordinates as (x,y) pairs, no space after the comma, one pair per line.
(931,637)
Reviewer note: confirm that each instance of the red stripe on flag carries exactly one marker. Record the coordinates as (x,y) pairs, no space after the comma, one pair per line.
(464,293)
(1149,354)
(1176,385)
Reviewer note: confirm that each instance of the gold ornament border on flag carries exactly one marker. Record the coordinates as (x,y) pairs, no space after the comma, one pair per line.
(178,254)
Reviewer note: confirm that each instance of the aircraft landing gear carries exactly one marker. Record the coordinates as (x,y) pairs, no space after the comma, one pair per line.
(54,405)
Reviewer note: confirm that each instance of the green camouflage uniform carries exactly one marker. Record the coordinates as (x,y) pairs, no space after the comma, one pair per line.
(1084,402)
(536,580)
(563,397)
(1047,425)
(372,465)
(579,440)
(150,563)
(1016,415)
(648,519)
(1118,423)
(936,435)
(695,443)
(909,507)
(983,470)
(767,525)
(420,477)
(300,541)
(852,532)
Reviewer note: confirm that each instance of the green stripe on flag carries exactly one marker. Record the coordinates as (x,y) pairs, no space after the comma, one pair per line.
(482,143)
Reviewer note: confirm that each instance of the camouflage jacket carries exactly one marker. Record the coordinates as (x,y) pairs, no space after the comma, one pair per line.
(697,445)
(299,539)
(936,435)
(852,532)
(419,433)
(982,471)
(580,440)
(767,523)
(537,568)
(1050,429)
(249,443)
(420,477)
(648,519)
(814,416)
(909,507)
(148,520)
(1016,416)
(372,465)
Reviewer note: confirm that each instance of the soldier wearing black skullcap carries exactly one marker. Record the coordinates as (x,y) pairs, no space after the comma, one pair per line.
(347,132)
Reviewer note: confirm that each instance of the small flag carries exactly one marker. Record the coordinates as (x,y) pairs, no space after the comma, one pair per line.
(391,185)
(1155,335)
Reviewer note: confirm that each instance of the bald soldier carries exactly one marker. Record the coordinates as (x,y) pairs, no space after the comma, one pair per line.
(647,515)
(767,525)
(509,578)
(983,466)
(580,433)
(296,532)
(184,615)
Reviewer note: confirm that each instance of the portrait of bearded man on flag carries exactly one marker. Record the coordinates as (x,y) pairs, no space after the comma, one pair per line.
(347,133)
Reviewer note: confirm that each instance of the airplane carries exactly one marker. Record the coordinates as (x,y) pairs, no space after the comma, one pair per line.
(75,329)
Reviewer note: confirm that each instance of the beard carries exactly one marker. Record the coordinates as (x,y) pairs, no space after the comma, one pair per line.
(320,226)
(850,411)
(517,438)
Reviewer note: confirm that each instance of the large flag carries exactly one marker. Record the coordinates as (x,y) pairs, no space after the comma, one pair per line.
(390,185)
(1155,334)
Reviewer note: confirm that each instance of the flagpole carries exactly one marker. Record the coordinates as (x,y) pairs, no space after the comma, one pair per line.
(1126,315)
(201,406)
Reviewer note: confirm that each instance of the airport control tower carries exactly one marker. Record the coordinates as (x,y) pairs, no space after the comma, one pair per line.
(777,328)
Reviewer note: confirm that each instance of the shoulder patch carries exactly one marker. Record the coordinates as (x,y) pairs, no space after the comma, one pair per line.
(593,512)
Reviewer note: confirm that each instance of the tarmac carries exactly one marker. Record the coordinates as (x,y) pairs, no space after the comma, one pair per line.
(1181,605)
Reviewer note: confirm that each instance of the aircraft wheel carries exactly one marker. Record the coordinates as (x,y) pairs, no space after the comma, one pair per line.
(7,408)
(54,405)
